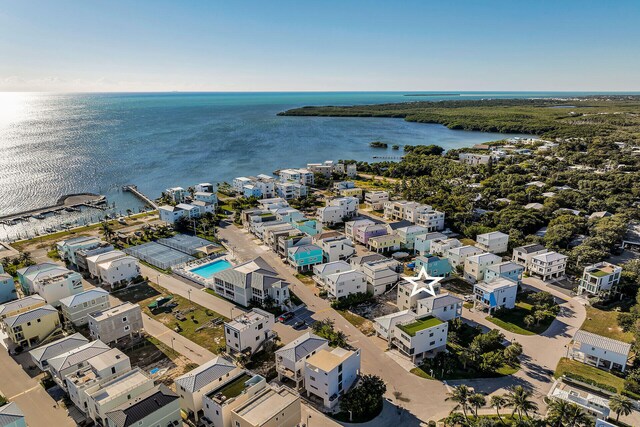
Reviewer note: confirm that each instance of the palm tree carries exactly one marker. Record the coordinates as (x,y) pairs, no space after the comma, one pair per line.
(107,231)
(454,419)
(498,402)
(520,399)
(557,412)
(512,351)
(460,395)
(529,320)
(577,417)
(476,400)
(620,405)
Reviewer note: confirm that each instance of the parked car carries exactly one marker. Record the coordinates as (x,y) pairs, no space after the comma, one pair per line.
(285,316)
(299,324)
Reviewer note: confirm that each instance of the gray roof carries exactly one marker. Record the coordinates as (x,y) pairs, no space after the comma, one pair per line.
(82,297)
(528,249)
(30,315)
(18,304)
(505,267)
(441,300)
(58,347)
(359,260)
(9,414)
(205,374)
(142,406)
(301,346)
(601,342)
(78,355)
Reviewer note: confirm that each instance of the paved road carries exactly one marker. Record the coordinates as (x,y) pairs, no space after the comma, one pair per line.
(424,399)
(39,408)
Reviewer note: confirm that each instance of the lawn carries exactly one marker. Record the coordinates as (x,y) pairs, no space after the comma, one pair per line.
(513,320)
(598,375)
(236,387)
(200,325)
(137,293)
(412,328)
(605,323)
(364,325)
(306,278)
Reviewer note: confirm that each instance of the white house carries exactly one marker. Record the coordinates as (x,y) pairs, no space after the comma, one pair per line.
(290,359)
(239,389)
(409,234)
(507,269)
(594,405)
(321,271)
(424,243)
(176,194)
(602,277)
(76,308)
(119,271)
(343,284)
(330,373)
(599,351)
(407,298)
(381,273)
(375,199)
(420,337)
(56,284)
(273,406)
(42,354)
(336,248)
(74,360)
(523,254)
(476,265)
(494,242)
(248,331)
(457,255)
(115,323)
(302,176)
(192,386)
(499,293)
(548,265)
(94,260)
(444,306)
(385,325)
(474,159)
(338,209)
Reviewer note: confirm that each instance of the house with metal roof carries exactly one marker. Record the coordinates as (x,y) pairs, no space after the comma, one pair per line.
(21,305)
(76,308)
(31,327)
(11,416)
(507,270)
(499,293)
(443,306)
(42,354)
(74,359)
(156,407)
(290,359)
(601,352)
(200,381)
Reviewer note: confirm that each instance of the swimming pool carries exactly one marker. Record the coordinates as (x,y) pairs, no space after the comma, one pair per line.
(212,268)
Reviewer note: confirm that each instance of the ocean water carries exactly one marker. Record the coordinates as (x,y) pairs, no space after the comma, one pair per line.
(57,144)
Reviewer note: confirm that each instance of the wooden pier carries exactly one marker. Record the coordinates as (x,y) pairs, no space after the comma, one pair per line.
(134,190)
(72,201)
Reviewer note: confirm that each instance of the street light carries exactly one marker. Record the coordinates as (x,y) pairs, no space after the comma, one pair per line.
(172,340)
(189,292)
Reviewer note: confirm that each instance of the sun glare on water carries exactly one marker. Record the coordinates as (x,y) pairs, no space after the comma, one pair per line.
(13,107)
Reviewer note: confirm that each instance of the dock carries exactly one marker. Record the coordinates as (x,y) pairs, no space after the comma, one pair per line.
(69,202)
(140,195)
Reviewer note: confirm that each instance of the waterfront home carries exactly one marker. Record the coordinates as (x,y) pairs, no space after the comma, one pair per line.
(76,308)
(29,328)
(523,254)
(601,352)
(304,257)
(444,306)
(239,182)
(98,370)
(375,199)
(204,187)
(494,242)
(12,416)
(74,360)
(42,354)
(434,266)
(55,284)
(325,168)
(336,248)
(507,270)
(409,234)
(338,209)
(156,407)
(600,278)
(27,274)
(494,295)
(408,296)
(8,290)
(422,243)
(176,194)
(84,254)
(207,197)
(474,159)
(170,214)
(384,243)
(290,359)
(67,249)
(250,283)
(237,390)
(273,406)
(330,373)
(103,395)
(248,331)
(290,190)
(193,385)
(381,272)
(475,266)
(115,323)
(300,176)
(272,203)
(342,284)
(548,265)
(420,337)
(21,305)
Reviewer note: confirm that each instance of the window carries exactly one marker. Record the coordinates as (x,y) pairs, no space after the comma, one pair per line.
(124,319)
(127,328)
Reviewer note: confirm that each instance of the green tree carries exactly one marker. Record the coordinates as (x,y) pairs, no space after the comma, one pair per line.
(365,399)
(621,405)
(476,400)
(460,395)
(498,402)
(519,399)
(512,352)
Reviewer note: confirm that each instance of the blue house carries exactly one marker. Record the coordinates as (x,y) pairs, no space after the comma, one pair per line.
(507,270)
(435,266)
(251,191)
(7,288)
(304,257)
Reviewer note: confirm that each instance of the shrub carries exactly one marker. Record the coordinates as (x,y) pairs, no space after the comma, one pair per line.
(580,378)
(351,300)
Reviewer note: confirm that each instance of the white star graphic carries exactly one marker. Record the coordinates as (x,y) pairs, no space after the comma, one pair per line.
(422,275)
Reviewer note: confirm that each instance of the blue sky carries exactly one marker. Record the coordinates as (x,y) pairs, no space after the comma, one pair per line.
(275,45)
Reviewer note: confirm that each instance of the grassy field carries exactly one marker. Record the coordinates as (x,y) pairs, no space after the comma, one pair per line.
(197,324)
(605,323)
(359,322)
(577,368)
(513,320)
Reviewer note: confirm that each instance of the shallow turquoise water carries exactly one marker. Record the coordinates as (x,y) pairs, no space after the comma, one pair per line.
(208,270)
